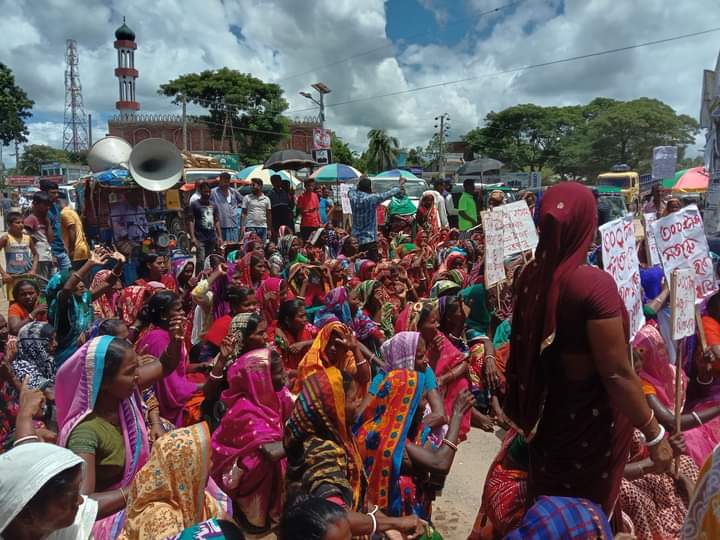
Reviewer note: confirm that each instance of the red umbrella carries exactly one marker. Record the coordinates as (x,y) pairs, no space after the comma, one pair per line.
(695,179)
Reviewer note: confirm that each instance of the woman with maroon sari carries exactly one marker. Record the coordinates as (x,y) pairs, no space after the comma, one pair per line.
(572,391)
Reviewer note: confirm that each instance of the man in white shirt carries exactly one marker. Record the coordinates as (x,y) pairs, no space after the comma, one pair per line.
(452,212)
(256,216)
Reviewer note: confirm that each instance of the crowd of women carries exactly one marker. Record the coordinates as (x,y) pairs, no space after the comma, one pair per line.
(306,390)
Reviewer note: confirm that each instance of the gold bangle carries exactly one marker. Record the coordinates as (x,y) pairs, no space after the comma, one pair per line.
(450,444)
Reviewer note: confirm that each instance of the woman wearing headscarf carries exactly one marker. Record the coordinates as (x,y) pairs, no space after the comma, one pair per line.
(702,520)
(33,360)
(701,425)
(183,269)
(70,302)
(372,305)
(272,292)
(401,214)
(336,308)
(427,215)
(106,305)
(40,494)
(248,458)
(323,457)
(563,518)
(293,334)
(173,490)
(569,379)
(334,346)
(100,418)
(388,430)
(179,398)
(252,270)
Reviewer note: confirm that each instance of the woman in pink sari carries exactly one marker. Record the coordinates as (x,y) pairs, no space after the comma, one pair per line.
(271,293)
(179,398)
(100,418)
(701,426)
(248,461)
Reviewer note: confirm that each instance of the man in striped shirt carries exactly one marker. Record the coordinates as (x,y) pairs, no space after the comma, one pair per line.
(364,203)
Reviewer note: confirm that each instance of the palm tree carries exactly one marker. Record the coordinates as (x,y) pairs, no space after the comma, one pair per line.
(382,150)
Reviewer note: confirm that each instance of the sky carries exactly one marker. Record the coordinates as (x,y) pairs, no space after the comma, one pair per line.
(394,64)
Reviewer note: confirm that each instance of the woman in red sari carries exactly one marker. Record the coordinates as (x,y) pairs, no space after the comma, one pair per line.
(571,389)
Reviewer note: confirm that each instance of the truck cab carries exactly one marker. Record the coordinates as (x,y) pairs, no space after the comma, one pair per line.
(627,181)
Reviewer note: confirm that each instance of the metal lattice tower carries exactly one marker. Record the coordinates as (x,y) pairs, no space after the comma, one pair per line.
(75,135)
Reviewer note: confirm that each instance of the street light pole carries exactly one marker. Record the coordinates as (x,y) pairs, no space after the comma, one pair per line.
(322,89)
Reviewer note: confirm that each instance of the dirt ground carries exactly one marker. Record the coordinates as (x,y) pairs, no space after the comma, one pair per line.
(454,511)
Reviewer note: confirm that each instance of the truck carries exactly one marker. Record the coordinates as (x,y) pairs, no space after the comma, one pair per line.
(626,180)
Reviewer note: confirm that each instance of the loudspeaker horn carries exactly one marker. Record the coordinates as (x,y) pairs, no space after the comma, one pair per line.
(109,153)
(155,164)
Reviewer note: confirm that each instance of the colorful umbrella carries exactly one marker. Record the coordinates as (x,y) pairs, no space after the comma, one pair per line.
(335,172)
(257,171)
(692,180)
(397,173)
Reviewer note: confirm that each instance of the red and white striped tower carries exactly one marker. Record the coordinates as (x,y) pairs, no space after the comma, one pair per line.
(126,72)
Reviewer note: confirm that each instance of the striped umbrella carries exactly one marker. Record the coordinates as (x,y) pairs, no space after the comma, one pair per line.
(335,172)
(257,171)
(398,173)
(688,180)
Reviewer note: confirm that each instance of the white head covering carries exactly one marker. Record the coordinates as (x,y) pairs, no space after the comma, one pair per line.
(24,470)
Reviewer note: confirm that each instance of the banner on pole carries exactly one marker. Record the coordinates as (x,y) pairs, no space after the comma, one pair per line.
(664,161)
(620,261)
(681,242)
(682,304)
(494,259)
(519,233)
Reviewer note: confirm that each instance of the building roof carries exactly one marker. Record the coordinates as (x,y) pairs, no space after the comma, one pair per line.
(124,32)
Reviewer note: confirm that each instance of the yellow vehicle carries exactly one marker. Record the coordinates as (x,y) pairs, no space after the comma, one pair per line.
(626,180)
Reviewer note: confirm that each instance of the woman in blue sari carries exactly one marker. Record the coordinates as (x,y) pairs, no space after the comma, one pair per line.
(70,308)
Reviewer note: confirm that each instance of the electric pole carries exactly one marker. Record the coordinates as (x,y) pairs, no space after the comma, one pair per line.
(184,122)
(442,124)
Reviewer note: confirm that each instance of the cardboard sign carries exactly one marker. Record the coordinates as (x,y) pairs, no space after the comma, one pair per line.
(519,232)
(682,304)
(664,161)
(344,199)
(651,250)
(681,242)
(494,259)
(620,260)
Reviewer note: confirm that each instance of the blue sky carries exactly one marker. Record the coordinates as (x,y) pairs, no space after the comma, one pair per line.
(414,44)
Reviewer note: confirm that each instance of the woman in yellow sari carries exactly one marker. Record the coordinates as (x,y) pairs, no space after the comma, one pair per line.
(334,346)
(173,491)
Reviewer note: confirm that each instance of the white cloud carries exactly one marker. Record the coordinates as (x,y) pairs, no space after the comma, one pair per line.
(299,43)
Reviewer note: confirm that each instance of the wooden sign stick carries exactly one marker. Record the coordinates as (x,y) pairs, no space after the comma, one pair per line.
(678,393)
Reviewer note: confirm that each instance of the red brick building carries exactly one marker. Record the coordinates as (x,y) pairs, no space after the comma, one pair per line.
(137,127)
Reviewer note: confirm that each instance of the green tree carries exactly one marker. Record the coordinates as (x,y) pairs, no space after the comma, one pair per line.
(34,155)
(14,109)
(382,150)
(241,108)
(340,151)
(416,157)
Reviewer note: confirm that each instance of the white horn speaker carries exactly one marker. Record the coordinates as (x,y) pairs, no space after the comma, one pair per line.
(108,153)
(155,164)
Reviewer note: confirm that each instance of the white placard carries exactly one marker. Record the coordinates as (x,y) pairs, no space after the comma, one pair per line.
(344,199)
(651,249)
(682,303)
(494,260)
(620,260)
(519,232)
(664,161)
(681,242)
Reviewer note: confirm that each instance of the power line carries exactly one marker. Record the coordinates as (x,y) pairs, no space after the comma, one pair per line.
(516,69)
(387,45)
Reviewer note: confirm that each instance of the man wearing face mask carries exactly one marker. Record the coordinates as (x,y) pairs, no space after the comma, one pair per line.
(256,216)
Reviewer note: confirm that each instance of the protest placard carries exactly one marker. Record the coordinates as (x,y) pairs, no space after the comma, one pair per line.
(519,232)
(681,242)
(664,161)
(620,260)
(651,250)
(345,199)
(494,266)
(682,303)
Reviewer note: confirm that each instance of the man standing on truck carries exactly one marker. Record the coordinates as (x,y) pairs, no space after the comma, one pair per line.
(227,200)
